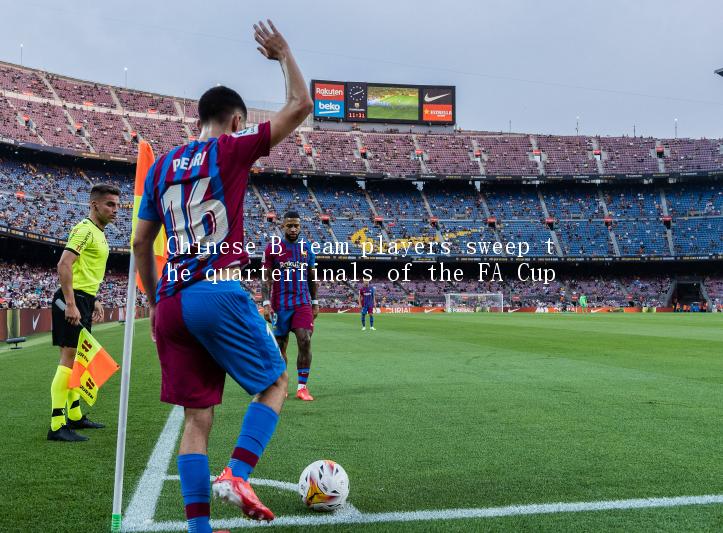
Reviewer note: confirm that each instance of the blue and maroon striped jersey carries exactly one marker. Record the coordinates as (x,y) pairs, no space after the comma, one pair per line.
(367,293)
(197,191)
(295,263)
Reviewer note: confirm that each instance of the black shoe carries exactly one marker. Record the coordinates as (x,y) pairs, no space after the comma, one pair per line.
(84,423)
(65,434)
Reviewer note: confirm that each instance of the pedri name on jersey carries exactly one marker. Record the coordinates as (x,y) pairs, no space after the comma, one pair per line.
(184,163)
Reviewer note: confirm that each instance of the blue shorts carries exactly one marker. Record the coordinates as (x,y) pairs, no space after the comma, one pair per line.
(367,310)
(206,331)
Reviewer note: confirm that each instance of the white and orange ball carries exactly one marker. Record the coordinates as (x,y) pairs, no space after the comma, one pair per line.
(324,485)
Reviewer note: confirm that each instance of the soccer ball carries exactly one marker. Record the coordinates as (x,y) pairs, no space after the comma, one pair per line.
(324,486)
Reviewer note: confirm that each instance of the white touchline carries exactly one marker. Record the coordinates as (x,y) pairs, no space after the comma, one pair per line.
(143,505)
(448,514)
(140,512)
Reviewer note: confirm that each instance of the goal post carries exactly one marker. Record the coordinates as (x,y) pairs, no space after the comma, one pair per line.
(472,302)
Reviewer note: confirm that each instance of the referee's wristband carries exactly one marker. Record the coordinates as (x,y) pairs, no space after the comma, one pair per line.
(266,302)
(314,302)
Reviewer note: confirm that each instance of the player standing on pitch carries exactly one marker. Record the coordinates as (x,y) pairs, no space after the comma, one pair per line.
(367,302)
(81,270)
(207,329)
(291,295)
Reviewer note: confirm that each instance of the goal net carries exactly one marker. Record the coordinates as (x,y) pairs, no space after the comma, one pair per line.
(470,302)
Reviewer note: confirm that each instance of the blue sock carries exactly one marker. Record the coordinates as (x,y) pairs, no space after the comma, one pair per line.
(371,321)
(364,320)
(196,491)
(256,430)
(303,375)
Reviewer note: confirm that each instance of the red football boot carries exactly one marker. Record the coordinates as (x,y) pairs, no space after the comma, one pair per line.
(238,492)
(303,394)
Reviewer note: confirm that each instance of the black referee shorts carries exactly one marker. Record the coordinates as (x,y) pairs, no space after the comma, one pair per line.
(64,333)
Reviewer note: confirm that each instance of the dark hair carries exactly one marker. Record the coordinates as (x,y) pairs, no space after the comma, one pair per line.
(218,104)
(101,189)
(291,214)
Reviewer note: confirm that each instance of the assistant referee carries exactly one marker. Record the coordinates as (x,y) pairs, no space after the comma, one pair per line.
(81,270)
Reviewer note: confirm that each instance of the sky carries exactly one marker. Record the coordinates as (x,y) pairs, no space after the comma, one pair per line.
(528,65)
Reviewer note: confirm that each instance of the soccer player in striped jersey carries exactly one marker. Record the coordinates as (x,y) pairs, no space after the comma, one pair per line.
(205,328)
(289,294)
(367,302)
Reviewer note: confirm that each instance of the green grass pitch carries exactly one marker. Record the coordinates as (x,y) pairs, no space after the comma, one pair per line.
(429,412)
(401,107)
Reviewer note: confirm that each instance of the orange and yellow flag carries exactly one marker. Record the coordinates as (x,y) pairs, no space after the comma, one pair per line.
(92,367)
(143,164)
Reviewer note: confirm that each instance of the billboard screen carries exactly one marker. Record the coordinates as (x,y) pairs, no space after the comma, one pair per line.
(377,102)
(393,103)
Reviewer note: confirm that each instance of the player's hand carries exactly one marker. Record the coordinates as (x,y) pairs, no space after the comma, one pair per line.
(267,314)
(315,310)
(152,318)
(72,314)
(272,43)
(98,312)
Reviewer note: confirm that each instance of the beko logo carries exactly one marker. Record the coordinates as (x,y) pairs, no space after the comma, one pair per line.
(326,108)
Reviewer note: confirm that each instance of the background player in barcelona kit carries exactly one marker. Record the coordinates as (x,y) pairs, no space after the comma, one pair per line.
(289,294)
(206,329)
(367,302)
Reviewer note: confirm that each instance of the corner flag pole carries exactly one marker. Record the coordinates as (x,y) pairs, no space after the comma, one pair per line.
(143,164)
(120,449)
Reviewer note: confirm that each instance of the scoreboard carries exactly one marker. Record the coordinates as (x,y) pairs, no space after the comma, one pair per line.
(354,101)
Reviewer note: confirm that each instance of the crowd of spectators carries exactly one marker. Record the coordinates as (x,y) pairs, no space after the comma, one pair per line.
(24,285)
(48,199)
(27,286)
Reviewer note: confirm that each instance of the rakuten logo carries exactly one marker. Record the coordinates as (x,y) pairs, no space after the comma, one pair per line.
(327,91)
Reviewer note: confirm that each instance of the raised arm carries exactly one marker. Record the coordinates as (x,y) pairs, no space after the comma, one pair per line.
(273,46)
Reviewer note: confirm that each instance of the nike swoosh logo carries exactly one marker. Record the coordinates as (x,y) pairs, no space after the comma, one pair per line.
(428,98)
(35,321)
(340,311)
(428,311)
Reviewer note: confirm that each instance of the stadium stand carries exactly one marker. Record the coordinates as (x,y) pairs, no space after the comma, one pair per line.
(567,155)
(449,154)
(677,217)
(28,285)
(507,155)
(628,155)
(336,151)
(78,92)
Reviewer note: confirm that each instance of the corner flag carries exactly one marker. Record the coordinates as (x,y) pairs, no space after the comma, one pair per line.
(143,165)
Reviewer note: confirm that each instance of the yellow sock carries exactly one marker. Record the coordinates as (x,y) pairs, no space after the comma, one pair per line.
(59,396)
(74,412)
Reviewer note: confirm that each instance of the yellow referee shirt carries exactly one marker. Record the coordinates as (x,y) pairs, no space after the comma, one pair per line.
(87,241)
